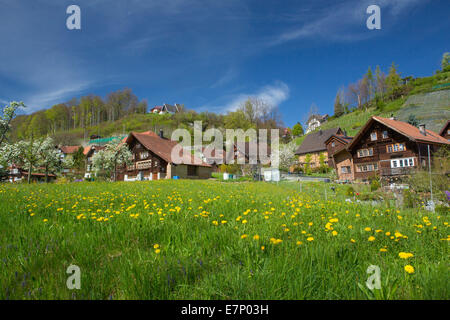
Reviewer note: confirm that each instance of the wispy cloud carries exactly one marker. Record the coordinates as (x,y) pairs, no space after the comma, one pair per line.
(229,75)
(273,95)
(345,21)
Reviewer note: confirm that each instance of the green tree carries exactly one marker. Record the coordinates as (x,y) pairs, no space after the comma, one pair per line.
(445,61)
(297,130)
(338,107)
(393,78)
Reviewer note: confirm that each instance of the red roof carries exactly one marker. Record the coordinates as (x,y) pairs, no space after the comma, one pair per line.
(69,149)
(163,148)
(405,129)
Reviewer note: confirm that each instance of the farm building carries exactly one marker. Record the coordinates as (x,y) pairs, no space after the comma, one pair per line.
(314,145)
(153,160)
(390,148)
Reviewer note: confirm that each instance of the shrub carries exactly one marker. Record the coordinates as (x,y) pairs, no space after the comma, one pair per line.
(350,191)
(375,185)
(409,200)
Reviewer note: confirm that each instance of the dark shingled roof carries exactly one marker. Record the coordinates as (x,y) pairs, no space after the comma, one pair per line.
(315,141)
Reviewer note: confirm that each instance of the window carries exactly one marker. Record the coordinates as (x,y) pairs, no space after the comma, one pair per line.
(396,147)
(192,171)
(333,144)
(368,167)
(365,153)
(402,163)
(385,134)
(346,169)
(143,155)
(373,136)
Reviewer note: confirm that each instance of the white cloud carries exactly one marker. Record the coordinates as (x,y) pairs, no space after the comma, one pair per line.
(231,74)
(273,95)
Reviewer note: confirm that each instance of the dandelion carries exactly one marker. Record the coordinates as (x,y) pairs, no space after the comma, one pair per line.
(371,238)
(244,221)
(409,269)
(310,239)
(334,233)
(255,237)
(383,250)
(405,255)
(244,236)
(367,229)
(156,246)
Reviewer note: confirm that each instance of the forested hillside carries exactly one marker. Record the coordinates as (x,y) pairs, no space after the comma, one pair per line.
(425,100)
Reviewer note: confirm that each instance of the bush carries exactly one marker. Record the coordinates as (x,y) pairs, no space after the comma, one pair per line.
(409,200)
(375,185)
(350,191)
(62,180)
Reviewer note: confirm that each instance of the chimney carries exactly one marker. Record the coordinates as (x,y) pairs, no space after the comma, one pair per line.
(161,133)
(422,129)
(320,132)
(392,117)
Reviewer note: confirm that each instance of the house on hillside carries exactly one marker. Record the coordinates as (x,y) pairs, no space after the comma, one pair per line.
(166,108)
(153,160)
(390,148)
(314,146)
(89,152)
(445,131)
(315,121)
(339,158)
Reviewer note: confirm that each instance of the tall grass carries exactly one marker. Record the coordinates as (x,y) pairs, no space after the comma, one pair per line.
(113,233)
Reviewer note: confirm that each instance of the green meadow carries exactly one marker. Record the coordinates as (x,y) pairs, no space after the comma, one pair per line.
(215,240)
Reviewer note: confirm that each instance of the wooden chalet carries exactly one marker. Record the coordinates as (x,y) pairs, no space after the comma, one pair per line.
(314,145)
(390,148)
(339,157)
(152,160)
(89,152)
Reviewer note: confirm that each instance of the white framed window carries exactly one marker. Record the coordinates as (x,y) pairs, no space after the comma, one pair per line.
(373,136)
(385,134)
(402,163)
(333,144)
(365,153)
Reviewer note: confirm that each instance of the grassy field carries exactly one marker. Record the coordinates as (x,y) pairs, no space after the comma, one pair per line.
(213,240)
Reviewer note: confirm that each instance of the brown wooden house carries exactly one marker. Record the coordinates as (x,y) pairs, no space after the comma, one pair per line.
(314,145)
(339,158)
(445,131)
(390,148)
(152,160)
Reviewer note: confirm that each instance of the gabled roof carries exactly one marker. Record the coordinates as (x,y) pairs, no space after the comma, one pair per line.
(69,149)
(315,141)
(163,147)
(170,108)
(343,139)
(409,131)
(444,128)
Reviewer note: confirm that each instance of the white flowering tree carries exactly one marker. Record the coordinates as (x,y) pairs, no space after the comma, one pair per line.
(287,155)
(29,154)
(49,156)
(115,154)
(9,154)
(7,113)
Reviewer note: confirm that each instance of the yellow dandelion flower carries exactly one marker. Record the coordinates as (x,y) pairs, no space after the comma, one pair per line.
(409,269)
(371,238)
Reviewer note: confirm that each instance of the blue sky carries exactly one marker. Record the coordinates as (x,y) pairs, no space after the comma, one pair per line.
(212,55)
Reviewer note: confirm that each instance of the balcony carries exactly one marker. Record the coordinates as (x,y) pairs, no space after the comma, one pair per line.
(143,164)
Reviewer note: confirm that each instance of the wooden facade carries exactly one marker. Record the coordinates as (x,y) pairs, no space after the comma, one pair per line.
(151,160)
(389,153)
(445,131)
(146,164)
